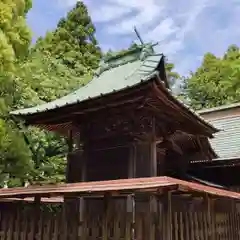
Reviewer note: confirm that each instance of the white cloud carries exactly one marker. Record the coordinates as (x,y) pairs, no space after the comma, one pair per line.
(156,20)
(108,13)
(144,15)
(162,30)
(137,4)
(66,3)
(185,29)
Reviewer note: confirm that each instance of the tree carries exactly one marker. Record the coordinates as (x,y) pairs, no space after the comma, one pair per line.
(15,157)
(48,156)
(216,81)
(172,76)
(49,78)
(73,42)
(15,36)
(58,64)
(44,79)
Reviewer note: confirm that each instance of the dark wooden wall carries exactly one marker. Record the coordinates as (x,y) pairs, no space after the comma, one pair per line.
(170,218)
(108,164)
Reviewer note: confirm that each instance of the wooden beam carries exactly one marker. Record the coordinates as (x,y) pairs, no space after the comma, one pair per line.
(198,126)
(53,116)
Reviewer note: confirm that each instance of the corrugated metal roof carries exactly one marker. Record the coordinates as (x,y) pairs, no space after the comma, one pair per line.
(121,186)
(226,143)
(220,108)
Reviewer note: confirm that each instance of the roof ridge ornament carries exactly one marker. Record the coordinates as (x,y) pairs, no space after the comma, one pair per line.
(103,66)
(135,53)
(146,51)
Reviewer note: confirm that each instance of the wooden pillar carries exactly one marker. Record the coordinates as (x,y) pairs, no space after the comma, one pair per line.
(169,216)
(211,218)
(70,150)
(36,216)
(106,215)
(130,211)
(153,173)
(81,202)
(153,150)
(161,156)
(132,162)
(130,218)
(233,219)
(70,140)
(74,207)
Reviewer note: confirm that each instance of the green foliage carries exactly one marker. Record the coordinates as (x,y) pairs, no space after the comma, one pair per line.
(49,78)
(15,157)
(42,79)
(172,76)
(216,82)
(73,42)
(110,53)
(48,155)
(15,36)
(52,69)
(60,63)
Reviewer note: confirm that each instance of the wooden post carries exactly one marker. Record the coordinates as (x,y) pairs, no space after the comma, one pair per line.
(169,216)
(153,149)
(81,202)
(233,220)
(105,217)
(70,140)
(211,219)
(132,162)
(37,212)
(70,150)
(130,227)
(81,213)
(64,222)
(153,217)
(133,225)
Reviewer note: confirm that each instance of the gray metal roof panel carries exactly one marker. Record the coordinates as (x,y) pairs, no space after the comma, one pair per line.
(220,108)
(227,142)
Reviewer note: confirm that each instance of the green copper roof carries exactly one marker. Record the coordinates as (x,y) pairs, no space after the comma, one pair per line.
(114,74)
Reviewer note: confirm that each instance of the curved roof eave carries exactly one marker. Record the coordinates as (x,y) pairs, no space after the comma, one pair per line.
(114,80)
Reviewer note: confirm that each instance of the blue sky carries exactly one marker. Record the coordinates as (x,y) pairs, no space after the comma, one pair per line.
(185,29)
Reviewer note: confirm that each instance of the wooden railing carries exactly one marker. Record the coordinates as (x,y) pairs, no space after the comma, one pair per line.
(117,223)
